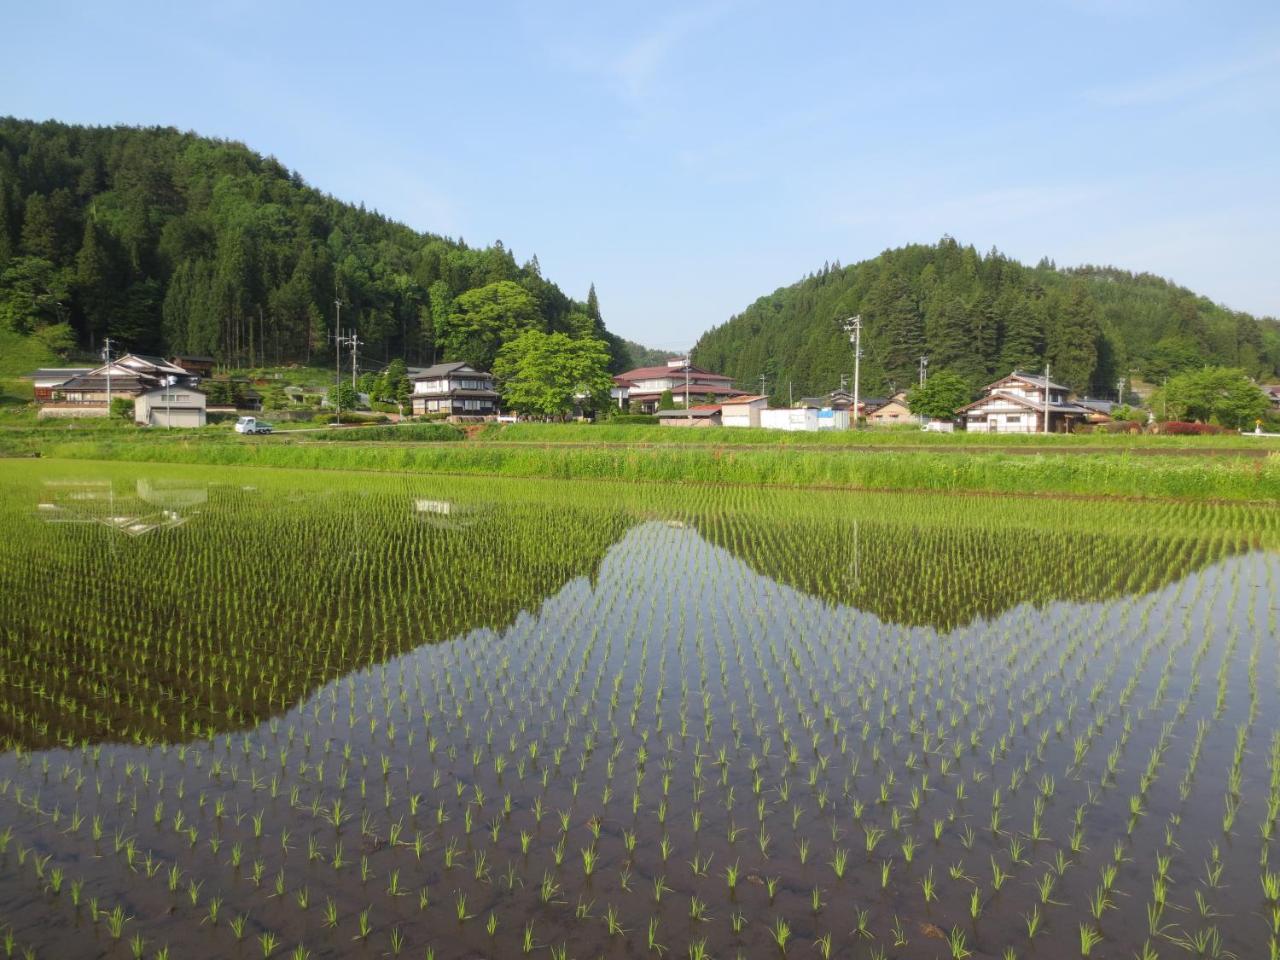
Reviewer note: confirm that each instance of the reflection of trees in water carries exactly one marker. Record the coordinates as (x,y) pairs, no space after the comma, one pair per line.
(217,624)
(946,576)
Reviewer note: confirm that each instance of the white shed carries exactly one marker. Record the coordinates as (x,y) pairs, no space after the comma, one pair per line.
(170,407)
(804,418)
(742,411)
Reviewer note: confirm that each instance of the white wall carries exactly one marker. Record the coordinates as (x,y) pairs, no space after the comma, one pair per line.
(789,419)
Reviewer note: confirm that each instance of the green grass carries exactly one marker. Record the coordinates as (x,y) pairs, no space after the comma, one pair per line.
(21,354)
(1086,474)
(886,437)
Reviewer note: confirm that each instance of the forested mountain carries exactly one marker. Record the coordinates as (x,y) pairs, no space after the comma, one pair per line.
(642,356)
(167,241)
(981,317)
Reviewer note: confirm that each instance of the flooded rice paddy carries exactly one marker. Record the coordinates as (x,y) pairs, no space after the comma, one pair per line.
(255,713)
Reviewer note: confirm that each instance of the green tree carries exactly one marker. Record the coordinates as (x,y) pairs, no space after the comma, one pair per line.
(1223,395)
(32,292)
(941,396)
(666,400)
(344,395)
(550,374)
(484,319)
(1073,339)
(58,337)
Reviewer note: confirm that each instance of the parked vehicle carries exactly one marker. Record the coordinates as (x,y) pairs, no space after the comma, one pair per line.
(252,425)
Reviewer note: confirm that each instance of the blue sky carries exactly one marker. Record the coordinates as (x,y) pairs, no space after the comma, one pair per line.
(690,157)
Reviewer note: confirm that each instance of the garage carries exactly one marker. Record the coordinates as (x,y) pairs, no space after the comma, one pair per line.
(170,407)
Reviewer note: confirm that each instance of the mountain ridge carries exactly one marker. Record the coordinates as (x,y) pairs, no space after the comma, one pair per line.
(982,315)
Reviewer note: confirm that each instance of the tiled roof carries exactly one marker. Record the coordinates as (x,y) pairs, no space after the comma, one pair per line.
(648,373)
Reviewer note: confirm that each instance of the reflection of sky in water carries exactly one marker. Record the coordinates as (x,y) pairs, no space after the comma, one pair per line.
(678,646)
(136,508)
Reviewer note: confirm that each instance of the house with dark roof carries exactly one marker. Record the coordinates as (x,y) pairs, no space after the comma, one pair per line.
(1018,404)
(455,389)
(87,393)
(643,387)
(44,380)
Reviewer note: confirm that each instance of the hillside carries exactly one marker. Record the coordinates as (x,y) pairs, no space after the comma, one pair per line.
(168,241)
(982,316)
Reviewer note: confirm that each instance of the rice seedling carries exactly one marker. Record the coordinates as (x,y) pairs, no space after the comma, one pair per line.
(449,719)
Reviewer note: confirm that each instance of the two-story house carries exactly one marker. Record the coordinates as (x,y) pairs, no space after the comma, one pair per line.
(456,389)
(643,387)
(1016,404)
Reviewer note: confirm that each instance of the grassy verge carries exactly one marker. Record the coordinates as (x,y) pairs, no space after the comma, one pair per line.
(1105,474)
(606,433)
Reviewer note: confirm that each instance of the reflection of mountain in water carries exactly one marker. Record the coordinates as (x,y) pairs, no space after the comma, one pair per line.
(218,623)
(946,576)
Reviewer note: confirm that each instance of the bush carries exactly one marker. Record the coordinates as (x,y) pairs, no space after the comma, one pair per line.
(406,433)
(351,418)
(633,419)
(121,408)
(1180,428)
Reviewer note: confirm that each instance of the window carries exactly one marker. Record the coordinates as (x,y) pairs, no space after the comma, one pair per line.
(471,404)
(1013,418)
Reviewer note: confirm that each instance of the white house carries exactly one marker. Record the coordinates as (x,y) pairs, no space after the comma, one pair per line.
(456,389)
(743,411)
(1016,404)
(643,387)
(170,407)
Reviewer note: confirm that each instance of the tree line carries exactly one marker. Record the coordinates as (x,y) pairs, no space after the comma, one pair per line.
(980,317)
(170,242)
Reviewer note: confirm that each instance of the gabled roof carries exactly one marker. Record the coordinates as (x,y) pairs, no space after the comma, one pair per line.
(1027,378)
(120,382)
(748,399)
(142,360)
(1024,402)
(443,369)
(649,373)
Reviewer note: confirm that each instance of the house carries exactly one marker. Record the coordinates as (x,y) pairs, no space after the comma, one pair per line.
(1099,410)
(1016,404)
(1272,390)
(88,393)
(45,379)
(699,415)
(643,387)
(892,412)
(743,411)
(170,407)
(194,364)
(455,389)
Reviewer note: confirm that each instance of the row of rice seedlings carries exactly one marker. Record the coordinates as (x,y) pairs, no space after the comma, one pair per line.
(771,718)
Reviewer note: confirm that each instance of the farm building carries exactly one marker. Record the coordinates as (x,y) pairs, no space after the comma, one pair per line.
(643,387)
(44,380)
(456,389)
(702,415)
(170,407)
(743,411)
(892,411)
(1016,404)
(87,393)
(197,366)
(803,418)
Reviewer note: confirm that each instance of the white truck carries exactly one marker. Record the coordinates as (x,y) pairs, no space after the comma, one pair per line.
(252,425)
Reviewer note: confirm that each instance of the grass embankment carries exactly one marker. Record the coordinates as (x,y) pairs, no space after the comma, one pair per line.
(888,437)
(1095,474)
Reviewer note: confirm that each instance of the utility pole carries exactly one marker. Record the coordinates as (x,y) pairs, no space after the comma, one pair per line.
(763,392)
(354,343)
(1046,396)
(854,328)
(106,355)
(924,372)
(686,383)
(337,364)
